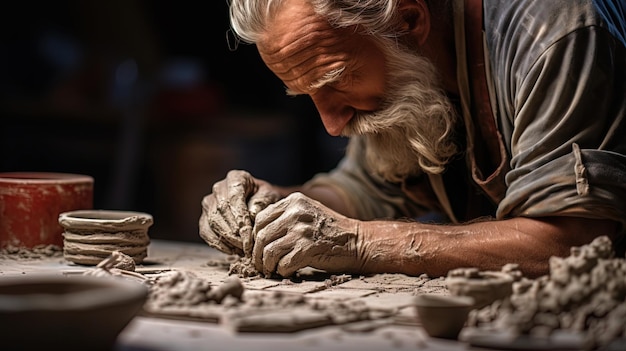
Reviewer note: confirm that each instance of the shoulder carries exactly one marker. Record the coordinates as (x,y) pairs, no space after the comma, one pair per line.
(535,25)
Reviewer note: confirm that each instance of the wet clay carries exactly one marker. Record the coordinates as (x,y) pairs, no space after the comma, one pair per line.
(243,267)
(178,294)
(181,294)
(584,293)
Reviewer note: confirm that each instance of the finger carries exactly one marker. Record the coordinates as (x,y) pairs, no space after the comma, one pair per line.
(260,200)
(294,260)
(230,202)
(210,237)
(207,229)
(265,236)
(222,208)
(240,186)
(270,213)
(218,225)
(296,238)
(247,240)
(224,233)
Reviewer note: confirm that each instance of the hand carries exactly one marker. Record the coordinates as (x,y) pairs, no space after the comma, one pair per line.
(298,231)
(228,212)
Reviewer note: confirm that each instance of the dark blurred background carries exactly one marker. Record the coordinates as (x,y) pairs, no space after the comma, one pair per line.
(147,98)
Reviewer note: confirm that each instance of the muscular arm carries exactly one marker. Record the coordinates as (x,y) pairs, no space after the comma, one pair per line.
(415,248)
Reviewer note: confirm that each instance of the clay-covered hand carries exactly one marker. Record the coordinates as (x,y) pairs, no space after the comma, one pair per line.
(228,213)
(298,231)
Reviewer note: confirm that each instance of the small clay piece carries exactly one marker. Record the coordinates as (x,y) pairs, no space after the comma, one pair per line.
(243,267)
(92,235)
(177,288)
(230,287)
(118,265)
(119,260)
(443,316)
(279,321)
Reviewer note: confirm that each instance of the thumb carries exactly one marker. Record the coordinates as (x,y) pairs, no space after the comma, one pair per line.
(264,197)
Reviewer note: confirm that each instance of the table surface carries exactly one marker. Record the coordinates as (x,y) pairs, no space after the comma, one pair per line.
(152,333)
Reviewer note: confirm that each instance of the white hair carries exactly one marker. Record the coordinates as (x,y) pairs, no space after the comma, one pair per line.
(249,18)
(413,130)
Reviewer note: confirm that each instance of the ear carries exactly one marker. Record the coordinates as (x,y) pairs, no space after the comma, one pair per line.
(415,17)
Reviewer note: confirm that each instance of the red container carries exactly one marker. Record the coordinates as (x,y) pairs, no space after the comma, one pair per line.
(30,204)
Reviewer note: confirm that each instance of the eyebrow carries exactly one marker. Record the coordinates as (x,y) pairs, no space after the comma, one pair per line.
(328,78)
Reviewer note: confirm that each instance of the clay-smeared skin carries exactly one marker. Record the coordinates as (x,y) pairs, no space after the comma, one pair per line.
(298,231)
(228,212)
(244,216)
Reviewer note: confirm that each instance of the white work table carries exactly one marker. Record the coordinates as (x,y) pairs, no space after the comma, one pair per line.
(147,332)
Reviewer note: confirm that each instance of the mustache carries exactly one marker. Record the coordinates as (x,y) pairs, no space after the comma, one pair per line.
(368,122)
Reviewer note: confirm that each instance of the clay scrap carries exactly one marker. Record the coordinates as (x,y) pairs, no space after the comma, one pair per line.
(18,252)
(584,293)
(182,295)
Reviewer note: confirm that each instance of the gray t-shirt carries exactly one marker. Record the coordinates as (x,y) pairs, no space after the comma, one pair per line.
(558,78)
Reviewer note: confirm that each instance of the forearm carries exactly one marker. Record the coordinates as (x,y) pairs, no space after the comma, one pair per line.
(415,248)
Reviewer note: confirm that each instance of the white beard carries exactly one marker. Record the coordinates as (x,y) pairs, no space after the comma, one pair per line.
(411,133)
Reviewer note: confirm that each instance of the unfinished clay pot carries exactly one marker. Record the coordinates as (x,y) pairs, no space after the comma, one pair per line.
(30,204)
(443,316)
(485,286)
(55,312)
(90,236)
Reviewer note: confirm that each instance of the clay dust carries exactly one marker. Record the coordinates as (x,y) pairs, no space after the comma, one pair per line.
(18,252)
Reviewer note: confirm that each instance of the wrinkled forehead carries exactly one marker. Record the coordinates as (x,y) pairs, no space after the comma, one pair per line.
(300,46)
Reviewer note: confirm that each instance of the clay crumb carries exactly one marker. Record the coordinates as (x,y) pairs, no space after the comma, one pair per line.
(244,268)
(16,252)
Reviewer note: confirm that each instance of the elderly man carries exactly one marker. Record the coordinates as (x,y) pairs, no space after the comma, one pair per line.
(505,117)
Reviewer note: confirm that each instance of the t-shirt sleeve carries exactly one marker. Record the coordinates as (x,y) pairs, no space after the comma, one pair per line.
(568,132)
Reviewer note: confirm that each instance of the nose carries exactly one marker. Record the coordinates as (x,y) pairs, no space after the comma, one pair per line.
(334,115)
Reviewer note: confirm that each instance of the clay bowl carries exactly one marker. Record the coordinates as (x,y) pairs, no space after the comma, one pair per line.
(486,287)
(54,312)
(443,316)
(92,235)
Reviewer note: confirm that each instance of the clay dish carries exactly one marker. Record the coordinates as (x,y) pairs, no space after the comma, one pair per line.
(92,235)
(54,312)
(486,287)
(443,316)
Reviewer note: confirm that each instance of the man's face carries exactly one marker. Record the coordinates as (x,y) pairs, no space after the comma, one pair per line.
(363,87)
(342,72)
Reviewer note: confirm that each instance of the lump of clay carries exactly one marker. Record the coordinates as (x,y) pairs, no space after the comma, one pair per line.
(176,288)
(584,292)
